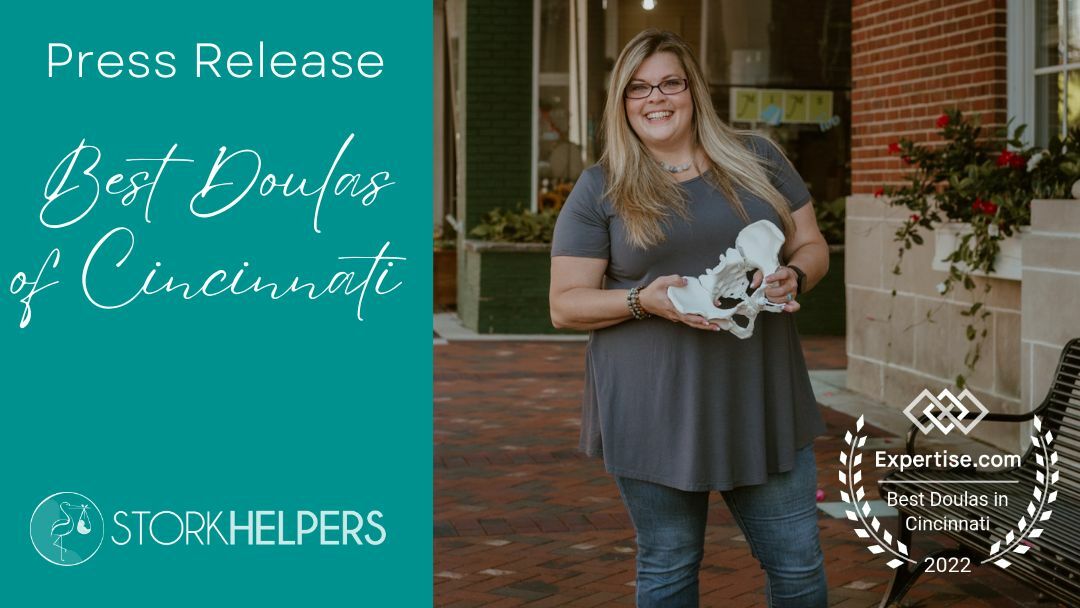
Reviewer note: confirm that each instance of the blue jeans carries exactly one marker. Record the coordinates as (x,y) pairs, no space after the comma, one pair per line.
(778,518)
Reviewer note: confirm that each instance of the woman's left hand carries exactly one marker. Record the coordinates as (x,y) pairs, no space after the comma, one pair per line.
(779,286)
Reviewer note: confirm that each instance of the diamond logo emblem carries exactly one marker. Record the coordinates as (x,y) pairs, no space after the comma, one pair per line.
(945,412)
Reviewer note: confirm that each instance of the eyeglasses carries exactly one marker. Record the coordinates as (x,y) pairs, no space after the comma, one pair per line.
(671,86)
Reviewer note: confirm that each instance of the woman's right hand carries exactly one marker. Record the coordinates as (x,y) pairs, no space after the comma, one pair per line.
(655,301)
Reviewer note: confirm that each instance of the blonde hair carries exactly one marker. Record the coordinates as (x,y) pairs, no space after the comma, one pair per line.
(641,191)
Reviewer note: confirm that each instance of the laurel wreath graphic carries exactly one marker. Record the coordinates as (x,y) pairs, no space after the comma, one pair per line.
(1014,541)
(871,529)
(1017,543)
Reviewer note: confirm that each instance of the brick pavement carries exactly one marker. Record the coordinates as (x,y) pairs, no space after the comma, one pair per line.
(521,518)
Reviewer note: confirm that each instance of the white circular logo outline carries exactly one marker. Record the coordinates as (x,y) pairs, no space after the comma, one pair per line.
(34,542)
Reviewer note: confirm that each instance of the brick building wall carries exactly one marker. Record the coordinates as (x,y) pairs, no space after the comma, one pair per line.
(912,58)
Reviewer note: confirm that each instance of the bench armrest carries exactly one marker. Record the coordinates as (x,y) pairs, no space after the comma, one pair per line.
(992,417)
(996,417)
(1068,351)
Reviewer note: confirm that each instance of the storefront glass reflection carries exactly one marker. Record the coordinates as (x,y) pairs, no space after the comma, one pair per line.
(789,64)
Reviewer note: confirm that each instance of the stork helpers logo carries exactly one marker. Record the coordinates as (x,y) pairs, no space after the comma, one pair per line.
(67,529)
(938,491)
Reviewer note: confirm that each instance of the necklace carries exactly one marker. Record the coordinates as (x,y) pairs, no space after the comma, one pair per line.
(676,168)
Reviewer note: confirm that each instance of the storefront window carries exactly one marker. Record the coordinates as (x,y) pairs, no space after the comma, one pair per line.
(559,160)
(1057,68)
(787,63)
(449,104)
(784,68)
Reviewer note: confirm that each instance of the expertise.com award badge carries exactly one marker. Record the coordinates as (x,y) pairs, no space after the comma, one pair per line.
(993,505)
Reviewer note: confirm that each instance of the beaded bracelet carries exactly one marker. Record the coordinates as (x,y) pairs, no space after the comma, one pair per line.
(634,304)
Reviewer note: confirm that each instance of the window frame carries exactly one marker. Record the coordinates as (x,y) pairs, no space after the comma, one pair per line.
(1021,71)
(1020,65)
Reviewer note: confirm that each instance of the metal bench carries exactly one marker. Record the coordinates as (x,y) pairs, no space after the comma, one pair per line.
(1051,564)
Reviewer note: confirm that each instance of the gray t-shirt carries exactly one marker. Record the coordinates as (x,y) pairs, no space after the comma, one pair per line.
(667,403)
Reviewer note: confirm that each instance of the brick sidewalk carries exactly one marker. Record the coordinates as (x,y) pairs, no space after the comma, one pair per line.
(521,518)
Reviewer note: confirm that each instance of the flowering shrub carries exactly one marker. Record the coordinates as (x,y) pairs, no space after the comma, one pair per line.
(987,182)
(517,225)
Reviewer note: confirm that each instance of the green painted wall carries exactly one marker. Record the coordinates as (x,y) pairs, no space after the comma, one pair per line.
(498,106)
(505,290)
(823,308)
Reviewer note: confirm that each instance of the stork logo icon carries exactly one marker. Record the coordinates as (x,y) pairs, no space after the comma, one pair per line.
(67,529)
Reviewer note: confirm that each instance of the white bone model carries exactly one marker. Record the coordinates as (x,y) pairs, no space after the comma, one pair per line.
(756,248)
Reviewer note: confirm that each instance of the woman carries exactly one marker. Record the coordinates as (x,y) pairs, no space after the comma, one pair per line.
(680,409)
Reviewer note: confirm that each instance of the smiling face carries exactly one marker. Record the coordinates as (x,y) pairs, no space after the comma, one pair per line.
(662,122)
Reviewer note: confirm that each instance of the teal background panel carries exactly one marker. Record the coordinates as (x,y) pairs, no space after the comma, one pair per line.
(232,402)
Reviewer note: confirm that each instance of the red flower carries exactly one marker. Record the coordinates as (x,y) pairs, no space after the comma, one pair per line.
(984,207)
(915,218)
(943,121)
(906,159)
(879,192)
(1011,160)
(894,147)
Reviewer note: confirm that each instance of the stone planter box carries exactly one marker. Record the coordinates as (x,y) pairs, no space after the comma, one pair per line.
(1006,266)
(824,308)
(1050,291)
(900,344)
(504,288)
